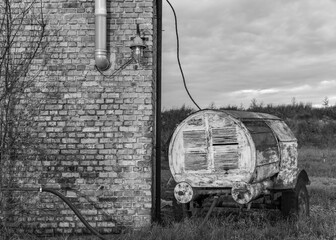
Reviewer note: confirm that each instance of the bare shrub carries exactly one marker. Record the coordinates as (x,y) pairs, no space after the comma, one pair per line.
(23,41)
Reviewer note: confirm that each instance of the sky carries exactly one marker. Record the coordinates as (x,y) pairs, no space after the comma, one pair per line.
(232,51)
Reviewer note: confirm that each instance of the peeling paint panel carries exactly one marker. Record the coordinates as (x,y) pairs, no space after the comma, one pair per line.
(243,193)
(224,135)
(282,131)
(225,147)
(250,115)
(195,145)
(196,122)
(194,139)
(219,120)
(226,157)
(217,149)
(288,155)
(212,149)
(195,161)
(257,127)
(265,171)
(265,142)
(288,166)
(267,156)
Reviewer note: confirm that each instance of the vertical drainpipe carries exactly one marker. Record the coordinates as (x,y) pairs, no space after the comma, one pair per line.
(157,165)
(102,62)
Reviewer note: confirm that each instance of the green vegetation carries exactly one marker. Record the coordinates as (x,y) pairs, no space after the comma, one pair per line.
(318,162)
(316,156)
(170,119)
(253,225)
(313,127)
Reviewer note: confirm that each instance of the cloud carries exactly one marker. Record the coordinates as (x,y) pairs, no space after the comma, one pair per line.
(274,49)
(328,83)
(255,92)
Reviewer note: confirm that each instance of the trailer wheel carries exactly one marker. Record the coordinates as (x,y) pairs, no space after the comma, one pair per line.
(302,199)
(295,202)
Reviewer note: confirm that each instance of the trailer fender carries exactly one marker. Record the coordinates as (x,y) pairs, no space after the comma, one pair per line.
(302,176)
(289,179)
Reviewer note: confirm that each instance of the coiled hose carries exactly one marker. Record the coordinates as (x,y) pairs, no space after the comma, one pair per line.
(64,199)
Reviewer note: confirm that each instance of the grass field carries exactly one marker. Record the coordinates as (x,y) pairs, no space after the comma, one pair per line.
(318,162)
(255,224)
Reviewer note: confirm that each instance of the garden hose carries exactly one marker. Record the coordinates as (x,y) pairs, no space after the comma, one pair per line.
(64,199)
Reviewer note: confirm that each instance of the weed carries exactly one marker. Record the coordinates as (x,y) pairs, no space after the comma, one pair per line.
(318,162)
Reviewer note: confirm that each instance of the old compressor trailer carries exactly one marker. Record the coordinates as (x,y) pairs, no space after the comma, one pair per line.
(237,158)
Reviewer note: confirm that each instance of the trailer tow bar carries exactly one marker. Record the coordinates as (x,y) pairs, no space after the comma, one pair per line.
(213,205)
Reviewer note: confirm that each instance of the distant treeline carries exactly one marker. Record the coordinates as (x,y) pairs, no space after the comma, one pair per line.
(313,127)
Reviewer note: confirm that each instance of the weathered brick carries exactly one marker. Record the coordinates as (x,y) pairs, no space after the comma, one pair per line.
(96,131)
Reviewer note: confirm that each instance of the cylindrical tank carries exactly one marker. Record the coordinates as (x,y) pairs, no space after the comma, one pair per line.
(217,149)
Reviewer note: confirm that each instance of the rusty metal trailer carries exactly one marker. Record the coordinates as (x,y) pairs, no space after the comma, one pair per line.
(237,157)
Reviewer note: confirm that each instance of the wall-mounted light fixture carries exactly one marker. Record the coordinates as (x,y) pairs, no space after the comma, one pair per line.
(138,46)
(102,63)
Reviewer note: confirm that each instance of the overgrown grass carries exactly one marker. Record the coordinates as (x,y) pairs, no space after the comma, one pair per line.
(321,167)
(249,225)
(255,224)
(318,162)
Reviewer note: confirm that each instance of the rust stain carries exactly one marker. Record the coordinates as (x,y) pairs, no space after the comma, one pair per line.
(195,122)
(288,165)
(282,131)
(243,193)
(221,148)
(183,192)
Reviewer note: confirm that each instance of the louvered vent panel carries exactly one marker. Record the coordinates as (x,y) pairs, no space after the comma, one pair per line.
(195,161)
(226,157)
(225,147)
(223,136)
(195,145)
(194,139)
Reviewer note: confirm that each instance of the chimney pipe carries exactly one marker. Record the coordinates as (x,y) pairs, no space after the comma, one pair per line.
(102,62)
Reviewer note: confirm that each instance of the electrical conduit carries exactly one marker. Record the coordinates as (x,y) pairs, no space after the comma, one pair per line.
(62,197)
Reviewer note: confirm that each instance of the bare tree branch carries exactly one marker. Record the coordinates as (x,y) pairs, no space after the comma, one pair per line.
(23,40)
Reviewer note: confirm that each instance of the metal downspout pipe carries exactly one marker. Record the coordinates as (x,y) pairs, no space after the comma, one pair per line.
(157,165)
(101,59)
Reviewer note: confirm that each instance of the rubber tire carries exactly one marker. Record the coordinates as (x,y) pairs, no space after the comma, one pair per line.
(302,200)
(295,203)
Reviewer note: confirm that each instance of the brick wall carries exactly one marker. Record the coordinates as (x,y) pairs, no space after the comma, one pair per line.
(97,132)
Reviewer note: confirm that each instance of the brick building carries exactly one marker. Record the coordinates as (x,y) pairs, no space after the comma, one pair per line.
(97,129)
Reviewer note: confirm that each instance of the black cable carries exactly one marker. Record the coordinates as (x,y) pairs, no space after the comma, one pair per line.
(178,55)
(62,197)
(117,70)
(75,210)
